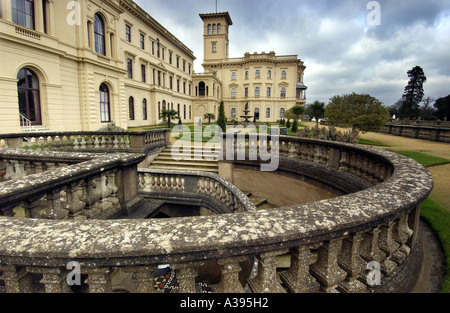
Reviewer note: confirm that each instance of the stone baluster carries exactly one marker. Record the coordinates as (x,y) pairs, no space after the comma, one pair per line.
(16,280)
(266,279)
(99,280)
(326,270)
(186,274)
(298,278)
(54,279)
(90,196)
(389,246)
(145,182)
(83,142)
(229,282)
(74,203)
(96,142)
(143,277)
(8,211)
(370,250)
(76,144)
(350,261)
(54,209)
(115,142)
(9,169)
(32,207)
(402,233)
(180,185)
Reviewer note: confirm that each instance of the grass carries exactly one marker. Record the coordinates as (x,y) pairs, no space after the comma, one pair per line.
(424,159)
(439,219)
(367,142)
(436,215)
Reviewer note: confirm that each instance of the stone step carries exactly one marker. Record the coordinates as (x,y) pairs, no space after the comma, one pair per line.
(148,209)
(257,201)
(206,164)
(184,168)
(209,157)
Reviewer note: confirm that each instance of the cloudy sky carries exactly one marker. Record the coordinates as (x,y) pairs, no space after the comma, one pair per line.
(342,51)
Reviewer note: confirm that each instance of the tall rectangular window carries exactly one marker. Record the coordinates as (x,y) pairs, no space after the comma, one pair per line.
(144,78)
(130,68)
(128,33)
(142,42)
(22,12)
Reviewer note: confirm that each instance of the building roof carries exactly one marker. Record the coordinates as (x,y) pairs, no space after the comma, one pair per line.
(226,15)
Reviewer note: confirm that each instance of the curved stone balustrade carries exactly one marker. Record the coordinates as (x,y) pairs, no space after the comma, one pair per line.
(216,193)
(331,242)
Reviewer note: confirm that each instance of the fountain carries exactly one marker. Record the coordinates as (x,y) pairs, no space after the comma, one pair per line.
(246,116)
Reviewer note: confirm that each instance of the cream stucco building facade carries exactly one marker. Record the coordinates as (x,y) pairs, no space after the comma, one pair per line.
(78,65)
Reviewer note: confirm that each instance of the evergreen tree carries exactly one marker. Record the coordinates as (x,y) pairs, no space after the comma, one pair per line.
(413,93)
(295,126)
(221,120)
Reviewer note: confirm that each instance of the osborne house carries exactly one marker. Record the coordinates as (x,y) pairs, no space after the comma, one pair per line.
(77,65)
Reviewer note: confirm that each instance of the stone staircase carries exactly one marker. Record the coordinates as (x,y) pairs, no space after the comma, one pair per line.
(260,202)
(196,160)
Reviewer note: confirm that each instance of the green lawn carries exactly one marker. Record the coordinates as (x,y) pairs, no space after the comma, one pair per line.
(424,159)
(437,216)
(439,219)
(367,142)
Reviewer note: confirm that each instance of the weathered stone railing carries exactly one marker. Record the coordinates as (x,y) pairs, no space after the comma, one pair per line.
(87,187)
(420,132)
(331,243)
(207,189)
(118,141)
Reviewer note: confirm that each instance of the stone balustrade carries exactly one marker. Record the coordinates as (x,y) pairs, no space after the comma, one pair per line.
(123,141)
(86,187)
(216,193)
(333,245)
(434,133)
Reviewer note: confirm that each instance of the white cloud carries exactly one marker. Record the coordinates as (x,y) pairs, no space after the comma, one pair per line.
(341,52)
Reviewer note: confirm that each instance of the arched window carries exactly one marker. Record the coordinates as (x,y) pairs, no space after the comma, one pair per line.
(257,114)
(144,110)
(105,113)
(99,35)
(267,112)
(282,112)
(209,29)
(283,74)
(22,12)
(283,92)
(219,28)
(29,97)
(257,91)
(202,89)
(131,108)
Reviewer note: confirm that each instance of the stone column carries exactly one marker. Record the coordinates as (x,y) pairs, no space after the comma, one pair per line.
(54,279)
(297,278)
(326,270)
(230,275)
(266,280)
(350,260)
(143,277)
(99,280)
(186,274)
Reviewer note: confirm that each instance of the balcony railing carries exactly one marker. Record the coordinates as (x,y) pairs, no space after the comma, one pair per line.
(331,244)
